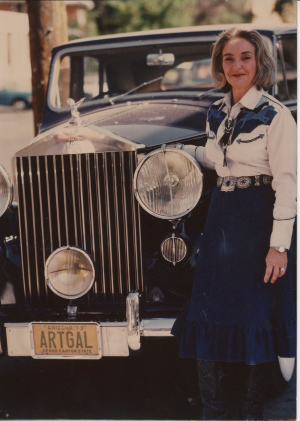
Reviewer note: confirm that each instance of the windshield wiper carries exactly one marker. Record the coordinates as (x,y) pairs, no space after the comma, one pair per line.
(113,100)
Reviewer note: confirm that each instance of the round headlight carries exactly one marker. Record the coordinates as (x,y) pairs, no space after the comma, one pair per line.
(6,190)
(173,249)
(168,183)
(69,272)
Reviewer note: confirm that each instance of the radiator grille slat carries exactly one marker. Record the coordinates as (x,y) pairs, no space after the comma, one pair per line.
(42,213)
(34,222)
(99,195)
(86,201)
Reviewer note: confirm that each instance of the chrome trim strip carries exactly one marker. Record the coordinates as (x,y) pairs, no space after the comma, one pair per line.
(140,244)
(49,204)
(73,196)
(41,210)
(65,198)
(99,211)
(34,230)
(106,181)
(90,201)
(125,222)
(82,218)
(19,217)
(26,229)
(113,158)
(91,224)
(157,327)
(134,225)
(56,201)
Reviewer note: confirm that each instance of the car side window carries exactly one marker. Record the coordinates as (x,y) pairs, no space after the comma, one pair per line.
(287,68)
(90,77)
(78,77)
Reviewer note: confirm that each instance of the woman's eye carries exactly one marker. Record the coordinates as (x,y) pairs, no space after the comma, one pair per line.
(247,58)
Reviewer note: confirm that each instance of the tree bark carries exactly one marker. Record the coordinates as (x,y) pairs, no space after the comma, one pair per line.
(48,27)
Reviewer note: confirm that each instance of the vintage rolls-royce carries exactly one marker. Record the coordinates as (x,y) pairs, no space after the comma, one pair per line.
(98,252)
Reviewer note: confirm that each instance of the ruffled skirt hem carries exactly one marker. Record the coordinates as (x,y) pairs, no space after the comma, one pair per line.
(253,344)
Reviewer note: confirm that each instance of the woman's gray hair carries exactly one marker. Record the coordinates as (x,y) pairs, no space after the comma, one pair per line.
(265,76)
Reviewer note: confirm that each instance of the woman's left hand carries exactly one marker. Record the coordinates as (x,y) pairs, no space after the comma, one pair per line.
(275,262)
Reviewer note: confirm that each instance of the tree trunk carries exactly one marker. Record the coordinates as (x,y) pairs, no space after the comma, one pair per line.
(48,27)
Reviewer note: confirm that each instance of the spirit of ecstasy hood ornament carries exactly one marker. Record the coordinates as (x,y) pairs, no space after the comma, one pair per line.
(75,120)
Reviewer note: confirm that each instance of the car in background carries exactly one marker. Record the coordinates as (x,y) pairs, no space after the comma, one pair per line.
(17,98)
(108,223)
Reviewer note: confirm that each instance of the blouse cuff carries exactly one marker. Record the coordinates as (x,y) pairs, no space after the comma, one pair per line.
(282,233)
(199,154)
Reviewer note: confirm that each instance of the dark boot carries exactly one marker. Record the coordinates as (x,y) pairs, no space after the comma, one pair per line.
(254,396)
(213,390)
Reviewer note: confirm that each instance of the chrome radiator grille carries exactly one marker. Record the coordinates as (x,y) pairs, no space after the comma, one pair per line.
(86,201)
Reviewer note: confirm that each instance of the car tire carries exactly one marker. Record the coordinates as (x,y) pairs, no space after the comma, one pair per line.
(281,372)
(19,105)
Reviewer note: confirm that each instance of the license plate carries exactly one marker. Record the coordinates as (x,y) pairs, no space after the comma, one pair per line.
(60,340)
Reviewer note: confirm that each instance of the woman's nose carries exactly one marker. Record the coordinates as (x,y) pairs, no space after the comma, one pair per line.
(237,64)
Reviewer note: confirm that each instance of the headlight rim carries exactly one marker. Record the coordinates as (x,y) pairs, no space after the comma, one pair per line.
(53,289)
(141,163)
(10,187)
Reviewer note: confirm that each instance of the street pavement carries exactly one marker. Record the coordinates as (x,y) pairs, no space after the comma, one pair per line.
(148,387)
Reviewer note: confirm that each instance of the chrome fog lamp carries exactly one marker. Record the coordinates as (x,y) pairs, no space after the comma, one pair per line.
(6,190)
(173,249)
(168,183)
(69,272)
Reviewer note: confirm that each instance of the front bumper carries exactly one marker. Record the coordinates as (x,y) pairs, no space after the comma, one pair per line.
(113,338)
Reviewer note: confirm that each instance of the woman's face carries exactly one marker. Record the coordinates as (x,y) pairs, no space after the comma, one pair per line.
(239,63)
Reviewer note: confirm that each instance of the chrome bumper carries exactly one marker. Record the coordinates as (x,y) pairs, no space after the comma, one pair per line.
(115,338)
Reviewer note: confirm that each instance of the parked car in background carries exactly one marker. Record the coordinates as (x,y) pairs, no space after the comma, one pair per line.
(18,99)
(104,239)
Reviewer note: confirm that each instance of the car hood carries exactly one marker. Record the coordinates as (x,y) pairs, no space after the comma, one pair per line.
(125,126)
(154,123)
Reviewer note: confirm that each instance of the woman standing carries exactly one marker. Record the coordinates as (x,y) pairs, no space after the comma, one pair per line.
(242,304)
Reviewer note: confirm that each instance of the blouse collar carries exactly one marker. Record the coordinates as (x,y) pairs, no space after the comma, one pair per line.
(249,100)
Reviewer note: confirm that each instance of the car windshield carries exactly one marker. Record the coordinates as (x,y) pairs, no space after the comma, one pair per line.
(107,73)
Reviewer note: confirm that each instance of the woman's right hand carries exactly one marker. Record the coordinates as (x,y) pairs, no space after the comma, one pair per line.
(275,261)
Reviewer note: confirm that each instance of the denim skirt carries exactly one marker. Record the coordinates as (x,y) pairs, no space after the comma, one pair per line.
(233,315)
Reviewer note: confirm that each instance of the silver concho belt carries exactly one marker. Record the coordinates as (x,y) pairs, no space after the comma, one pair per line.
(230,183)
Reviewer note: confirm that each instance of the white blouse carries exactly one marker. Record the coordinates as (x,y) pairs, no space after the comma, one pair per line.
(263,141)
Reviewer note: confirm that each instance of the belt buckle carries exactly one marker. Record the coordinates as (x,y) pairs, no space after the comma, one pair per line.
(228,183)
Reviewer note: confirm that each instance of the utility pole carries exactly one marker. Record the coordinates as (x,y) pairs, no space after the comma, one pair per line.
(48,27)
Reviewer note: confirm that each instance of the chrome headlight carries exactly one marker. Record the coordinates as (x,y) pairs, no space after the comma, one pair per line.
(173,249)
(69,272)
(6,190)
(168,183)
